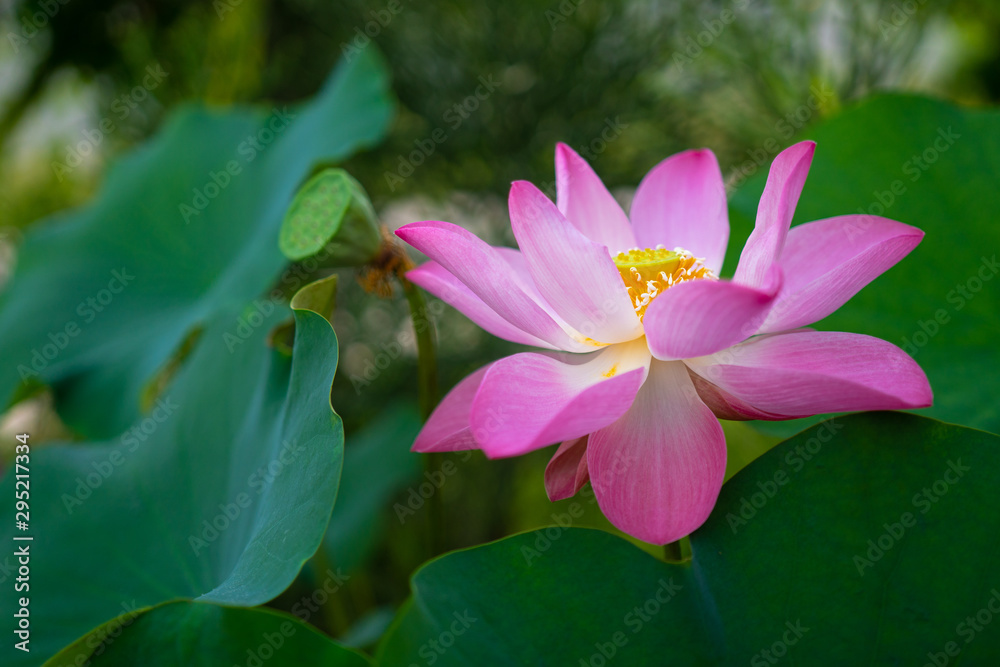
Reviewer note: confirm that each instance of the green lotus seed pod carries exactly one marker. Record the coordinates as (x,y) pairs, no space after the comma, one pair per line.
(331,216)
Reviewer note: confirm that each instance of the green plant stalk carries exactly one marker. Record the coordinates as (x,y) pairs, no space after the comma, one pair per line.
(427,396)
(677,552)
(336,618)
(426,353)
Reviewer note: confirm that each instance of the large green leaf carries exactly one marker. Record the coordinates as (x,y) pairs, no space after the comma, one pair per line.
(944,163)
(220,495)
(866,540)
(104,296)
(197,634)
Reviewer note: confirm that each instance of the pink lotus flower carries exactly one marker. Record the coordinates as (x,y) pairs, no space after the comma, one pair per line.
(658,347)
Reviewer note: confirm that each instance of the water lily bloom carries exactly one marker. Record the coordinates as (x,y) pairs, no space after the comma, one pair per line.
(646,347)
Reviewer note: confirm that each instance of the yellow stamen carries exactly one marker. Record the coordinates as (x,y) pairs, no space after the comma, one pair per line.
(650,272)
(611,371)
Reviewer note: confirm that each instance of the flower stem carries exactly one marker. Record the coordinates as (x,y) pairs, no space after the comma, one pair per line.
(677,552)
(335,616)
(427,396)
(376,277)
(391,263)
(426,353)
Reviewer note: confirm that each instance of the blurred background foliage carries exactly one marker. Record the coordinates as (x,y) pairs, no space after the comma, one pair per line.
(674,74)
(485,90)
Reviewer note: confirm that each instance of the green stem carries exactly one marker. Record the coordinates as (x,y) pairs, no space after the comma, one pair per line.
(427,390)
(426,354)
(336,618)
(677,552)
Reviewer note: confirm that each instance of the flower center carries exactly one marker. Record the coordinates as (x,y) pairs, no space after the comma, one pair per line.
(650,272)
